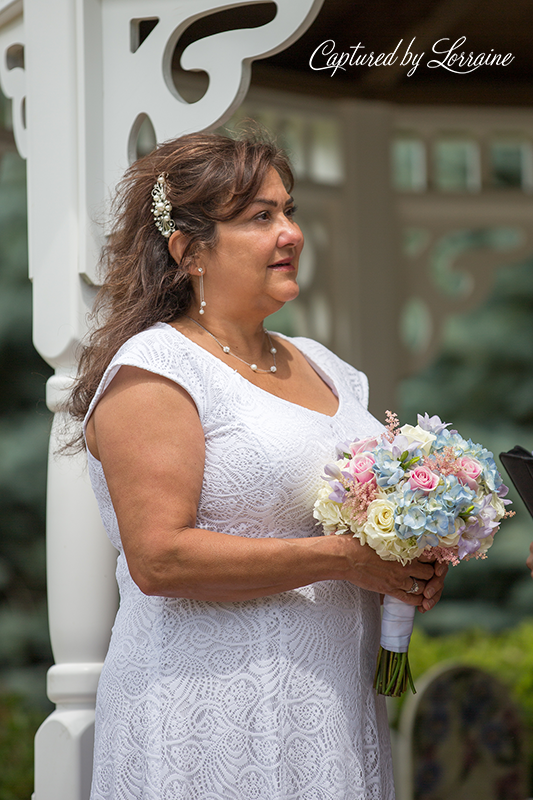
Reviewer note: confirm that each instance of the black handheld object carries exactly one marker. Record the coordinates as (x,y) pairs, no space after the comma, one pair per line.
(518,463)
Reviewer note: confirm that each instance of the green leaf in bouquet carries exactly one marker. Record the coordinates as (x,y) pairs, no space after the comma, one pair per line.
(466,512)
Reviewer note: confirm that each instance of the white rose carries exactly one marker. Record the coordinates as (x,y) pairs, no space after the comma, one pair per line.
(328,512)
(380,516)
(451,540)
(485,544)
(378,531)
(418,434)
(498,505)
(380,535)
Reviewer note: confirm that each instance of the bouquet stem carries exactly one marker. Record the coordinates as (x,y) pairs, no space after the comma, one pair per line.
(393,673)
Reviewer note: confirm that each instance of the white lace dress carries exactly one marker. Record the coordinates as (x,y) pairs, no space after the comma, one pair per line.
(267,699)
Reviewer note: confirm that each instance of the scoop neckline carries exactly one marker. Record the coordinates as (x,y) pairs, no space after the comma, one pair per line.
(322,374)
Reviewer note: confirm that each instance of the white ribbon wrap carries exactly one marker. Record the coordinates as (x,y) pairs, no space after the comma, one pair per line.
(396,625)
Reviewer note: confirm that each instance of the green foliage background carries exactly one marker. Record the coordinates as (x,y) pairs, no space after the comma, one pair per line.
(482,382)
(508,655)
(24,428)
(18,723)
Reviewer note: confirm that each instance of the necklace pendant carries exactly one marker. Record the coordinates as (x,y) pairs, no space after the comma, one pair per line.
(273,369)
(226,349)
(254,367)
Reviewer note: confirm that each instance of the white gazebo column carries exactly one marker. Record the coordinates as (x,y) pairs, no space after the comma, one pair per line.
(373,255)
(82,595)
(78,140)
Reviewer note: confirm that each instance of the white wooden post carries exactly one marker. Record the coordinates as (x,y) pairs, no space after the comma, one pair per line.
(373,253)
(78,140)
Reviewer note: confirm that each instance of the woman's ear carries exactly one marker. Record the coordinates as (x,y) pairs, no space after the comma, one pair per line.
(177,245)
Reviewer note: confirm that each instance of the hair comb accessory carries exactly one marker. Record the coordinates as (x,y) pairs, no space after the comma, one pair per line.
(161,208)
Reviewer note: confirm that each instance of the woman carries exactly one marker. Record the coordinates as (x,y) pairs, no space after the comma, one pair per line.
(242,657)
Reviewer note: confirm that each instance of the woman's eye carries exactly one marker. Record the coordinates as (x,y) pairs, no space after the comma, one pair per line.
(291,211)
(264,215)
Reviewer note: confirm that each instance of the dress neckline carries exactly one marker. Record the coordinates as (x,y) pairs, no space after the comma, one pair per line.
(330,383)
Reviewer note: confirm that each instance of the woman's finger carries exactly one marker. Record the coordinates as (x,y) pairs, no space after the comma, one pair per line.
(421,570)
(414,586)
(433,589)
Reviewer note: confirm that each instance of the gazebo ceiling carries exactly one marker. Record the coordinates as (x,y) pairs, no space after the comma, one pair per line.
(489,26)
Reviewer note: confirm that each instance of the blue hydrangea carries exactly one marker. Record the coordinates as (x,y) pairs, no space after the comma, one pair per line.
(425,516)
(388,469)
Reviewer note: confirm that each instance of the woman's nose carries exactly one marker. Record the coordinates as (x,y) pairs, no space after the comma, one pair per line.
(290,234)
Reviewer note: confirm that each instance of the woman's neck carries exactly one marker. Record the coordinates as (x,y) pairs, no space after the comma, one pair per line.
(245,338)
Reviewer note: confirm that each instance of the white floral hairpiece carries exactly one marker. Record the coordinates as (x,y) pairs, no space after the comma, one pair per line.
(161,208)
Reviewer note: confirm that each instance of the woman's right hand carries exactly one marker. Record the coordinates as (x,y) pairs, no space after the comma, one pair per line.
(529,561)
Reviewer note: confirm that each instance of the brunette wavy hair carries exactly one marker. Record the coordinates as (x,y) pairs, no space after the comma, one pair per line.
(211,178)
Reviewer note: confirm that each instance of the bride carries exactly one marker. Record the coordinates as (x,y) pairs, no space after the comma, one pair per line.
(241,661)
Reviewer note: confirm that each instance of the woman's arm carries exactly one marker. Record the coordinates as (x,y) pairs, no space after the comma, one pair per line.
(147,434)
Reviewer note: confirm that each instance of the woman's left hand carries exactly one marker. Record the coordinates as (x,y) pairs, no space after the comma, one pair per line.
(433,588)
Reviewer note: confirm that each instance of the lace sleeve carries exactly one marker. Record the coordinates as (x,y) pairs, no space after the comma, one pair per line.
(163,351)
(359,382)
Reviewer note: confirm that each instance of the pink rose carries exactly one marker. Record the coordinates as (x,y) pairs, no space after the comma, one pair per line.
(424,479)
(360,467)
(363,444)
(468,470)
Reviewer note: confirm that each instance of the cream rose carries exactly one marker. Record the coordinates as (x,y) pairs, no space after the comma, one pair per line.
(498,505)
(379,533)
(485,544)
(452,539)
(380,516)
(417,434)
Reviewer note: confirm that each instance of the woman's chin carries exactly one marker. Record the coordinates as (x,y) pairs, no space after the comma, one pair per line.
(280,298)
(287,292)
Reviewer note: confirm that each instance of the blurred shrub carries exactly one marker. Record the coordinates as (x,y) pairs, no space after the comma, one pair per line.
(18,725)
(507,655)
(482,382)
(24,429)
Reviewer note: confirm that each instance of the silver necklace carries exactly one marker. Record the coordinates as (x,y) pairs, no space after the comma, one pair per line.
(228,352)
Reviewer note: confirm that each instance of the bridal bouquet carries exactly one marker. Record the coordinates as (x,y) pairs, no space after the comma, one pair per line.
(410,491)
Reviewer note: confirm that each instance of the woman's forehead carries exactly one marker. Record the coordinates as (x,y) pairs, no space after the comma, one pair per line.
(272,191)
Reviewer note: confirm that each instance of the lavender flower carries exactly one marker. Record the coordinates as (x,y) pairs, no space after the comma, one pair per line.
(432,424)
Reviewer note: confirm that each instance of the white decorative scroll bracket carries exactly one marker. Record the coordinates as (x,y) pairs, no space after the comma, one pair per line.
(137,81)
(472,269)
(89,85)
(12,73)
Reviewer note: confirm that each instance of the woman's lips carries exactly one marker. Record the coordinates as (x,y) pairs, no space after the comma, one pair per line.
(282,266)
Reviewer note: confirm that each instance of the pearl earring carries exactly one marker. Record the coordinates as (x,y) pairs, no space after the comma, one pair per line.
(202,301)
